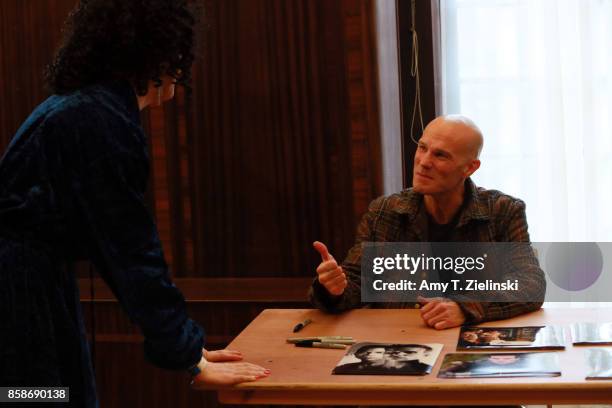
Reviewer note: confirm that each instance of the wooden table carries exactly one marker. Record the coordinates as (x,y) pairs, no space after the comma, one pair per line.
(303,375)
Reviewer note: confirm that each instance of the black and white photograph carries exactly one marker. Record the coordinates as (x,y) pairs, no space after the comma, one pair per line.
(389,359)
(470,365)
(518,338)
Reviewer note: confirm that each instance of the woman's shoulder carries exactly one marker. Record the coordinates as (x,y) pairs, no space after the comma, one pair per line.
(90,122)
(95,105)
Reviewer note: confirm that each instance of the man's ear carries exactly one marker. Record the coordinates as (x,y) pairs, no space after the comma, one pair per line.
(471,167)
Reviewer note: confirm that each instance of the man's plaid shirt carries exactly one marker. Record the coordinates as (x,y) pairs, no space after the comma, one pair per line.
(489,216)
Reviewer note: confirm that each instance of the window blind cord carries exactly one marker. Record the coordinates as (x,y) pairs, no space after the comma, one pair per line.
(414,72)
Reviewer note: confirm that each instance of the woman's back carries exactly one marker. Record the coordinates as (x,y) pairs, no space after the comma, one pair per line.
(73,183)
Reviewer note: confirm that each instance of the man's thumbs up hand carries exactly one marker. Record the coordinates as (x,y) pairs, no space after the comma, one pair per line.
(331,276)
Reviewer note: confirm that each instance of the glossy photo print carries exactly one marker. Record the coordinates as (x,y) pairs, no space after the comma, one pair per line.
(389,359)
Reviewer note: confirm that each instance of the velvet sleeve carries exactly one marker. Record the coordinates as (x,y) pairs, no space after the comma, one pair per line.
(127,252)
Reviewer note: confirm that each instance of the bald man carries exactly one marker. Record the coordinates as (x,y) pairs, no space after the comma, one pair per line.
(443,205)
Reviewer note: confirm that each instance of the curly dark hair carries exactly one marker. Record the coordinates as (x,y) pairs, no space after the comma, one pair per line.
(136,40)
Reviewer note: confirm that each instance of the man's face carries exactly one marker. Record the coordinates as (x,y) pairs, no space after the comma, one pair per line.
(407,354)
(470,336)
(374,354)
(488,336)
(503,359)
(443,159)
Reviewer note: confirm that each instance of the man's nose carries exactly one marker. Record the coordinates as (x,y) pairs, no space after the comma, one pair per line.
(425,160)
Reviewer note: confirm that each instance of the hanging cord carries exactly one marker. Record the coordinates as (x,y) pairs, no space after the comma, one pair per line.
(92,316)
(414,72)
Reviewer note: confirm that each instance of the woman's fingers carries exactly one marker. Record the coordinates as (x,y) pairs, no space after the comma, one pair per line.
(223,355)
(230,373)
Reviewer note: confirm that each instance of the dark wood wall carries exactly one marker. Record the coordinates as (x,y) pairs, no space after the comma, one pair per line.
(29,32)
(277,146)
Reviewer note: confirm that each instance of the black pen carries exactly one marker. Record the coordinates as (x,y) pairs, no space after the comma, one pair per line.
(301,325)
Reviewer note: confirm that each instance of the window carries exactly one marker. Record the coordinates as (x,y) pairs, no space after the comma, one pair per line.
(536,76)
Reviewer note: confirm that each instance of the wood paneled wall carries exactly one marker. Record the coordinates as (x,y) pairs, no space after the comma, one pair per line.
(276,146)
(29,33)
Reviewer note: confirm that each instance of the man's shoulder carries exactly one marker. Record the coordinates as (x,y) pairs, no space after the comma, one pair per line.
(489,201)
(404,201)
(496,202)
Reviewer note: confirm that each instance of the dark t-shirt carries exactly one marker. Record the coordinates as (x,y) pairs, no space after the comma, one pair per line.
(444,232)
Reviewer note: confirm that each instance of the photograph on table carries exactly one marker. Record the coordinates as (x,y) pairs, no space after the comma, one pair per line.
(389,359)
(591,333)
(472,365)
(517,338)
(599,363)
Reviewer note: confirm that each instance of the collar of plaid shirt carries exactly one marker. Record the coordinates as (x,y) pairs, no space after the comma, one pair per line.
(477,207)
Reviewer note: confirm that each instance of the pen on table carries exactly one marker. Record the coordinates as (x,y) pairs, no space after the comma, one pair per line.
(301,325)
(337,341)
(316,344)
(323,339)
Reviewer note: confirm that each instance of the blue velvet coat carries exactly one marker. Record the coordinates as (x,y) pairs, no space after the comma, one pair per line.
(72,185)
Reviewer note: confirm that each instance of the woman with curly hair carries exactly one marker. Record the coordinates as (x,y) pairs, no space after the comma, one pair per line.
(72,186)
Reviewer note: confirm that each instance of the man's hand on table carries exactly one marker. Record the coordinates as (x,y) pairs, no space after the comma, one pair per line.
(441,313)
(330,275)
(224,367)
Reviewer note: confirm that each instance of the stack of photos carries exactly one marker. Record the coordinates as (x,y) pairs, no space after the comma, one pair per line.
(389,359)
(599,362)
(480,365)
(591,333)
(517,338)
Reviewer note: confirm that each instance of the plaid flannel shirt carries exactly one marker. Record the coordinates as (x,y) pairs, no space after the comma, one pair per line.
(489,216)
